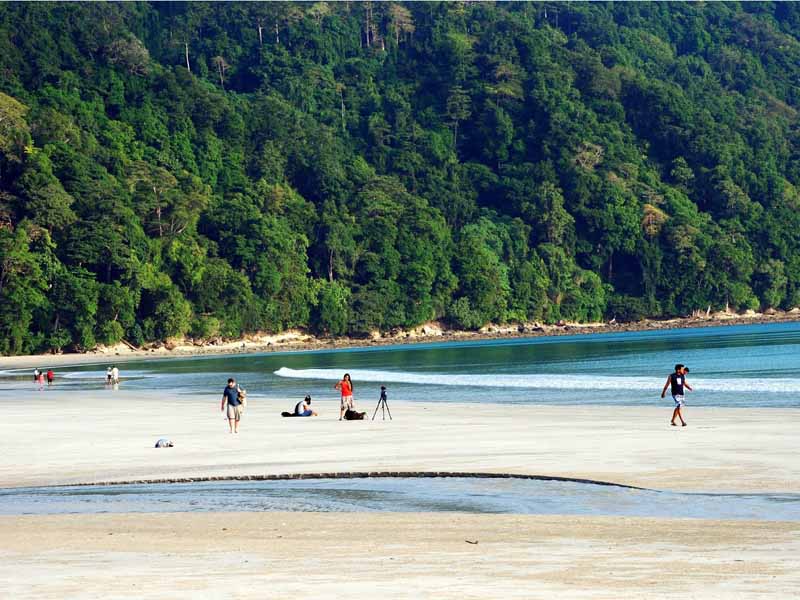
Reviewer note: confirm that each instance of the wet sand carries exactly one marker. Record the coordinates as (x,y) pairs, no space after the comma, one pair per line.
(323,556)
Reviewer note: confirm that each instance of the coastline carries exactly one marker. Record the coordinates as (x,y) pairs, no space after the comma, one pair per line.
(300,341)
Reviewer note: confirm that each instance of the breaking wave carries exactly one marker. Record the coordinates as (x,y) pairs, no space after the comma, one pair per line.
(543,381)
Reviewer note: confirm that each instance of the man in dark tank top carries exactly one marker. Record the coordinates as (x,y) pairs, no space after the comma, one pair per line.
(677,382)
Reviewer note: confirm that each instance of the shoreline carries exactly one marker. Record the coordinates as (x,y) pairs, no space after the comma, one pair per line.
(298,341)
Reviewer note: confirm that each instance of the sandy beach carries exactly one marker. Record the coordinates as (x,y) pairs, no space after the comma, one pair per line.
(105,435)
(324,555)
(68,437)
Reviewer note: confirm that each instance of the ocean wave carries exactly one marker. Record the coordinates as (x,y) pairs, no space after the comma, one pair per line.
(102,375)
(543,381)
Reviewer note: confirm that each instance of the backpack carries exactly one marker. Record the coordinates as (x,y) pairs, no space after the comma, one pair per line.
(352,415)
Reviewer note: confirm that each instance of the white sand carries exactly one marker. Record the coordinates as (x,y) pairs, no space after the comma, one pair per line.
(67,437)
(70,437)
(372,556)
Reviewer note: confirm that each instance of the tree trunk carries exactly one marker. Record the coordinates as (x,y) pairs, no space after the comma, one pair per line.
(186,48)
(260,38)
(277,34)
(330,266)
(367,25)
(344,121)
(158,213)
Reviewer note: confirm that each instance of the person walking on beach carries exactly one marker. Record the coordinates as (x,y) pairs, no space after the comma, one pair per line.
(346,387)
(115,375)
(230,396)
(50,377)
(108,376)
(677,381)
(36,373)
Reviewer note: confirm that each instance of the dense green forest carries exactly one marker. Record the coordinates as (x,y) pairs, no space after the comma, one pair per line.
(203,169)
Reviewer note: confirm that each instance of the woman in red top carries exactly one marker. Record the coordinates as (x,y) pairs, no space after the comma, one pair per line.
(346,386)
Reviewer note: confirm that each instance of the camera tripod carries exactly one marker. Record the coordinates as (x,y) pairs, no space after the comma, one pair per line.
(383,405)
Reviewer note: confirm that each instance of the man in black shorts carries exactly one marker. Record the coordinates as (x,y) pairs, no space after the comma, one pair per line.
(677,381)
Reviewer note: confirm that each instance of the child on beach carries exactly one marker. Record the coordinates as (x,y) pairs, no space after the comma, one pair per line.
(346,387)
(677,381)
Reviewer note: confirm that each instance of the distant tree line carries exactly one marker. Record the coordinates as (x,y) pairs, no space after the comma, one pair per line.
(212,169)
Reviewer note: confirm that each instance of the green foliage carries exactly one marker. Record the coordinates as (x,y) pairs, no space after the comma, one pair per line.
(22,290)
(218,169)
(332,311)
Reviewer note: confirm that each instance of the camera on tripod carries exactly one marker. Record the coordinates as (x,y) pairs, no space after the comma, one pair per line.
(383,405)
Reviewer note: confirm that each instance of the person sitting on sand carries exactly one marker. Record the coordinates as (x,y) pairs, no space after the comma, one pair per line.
(677,381)
(303,408)
(346,387)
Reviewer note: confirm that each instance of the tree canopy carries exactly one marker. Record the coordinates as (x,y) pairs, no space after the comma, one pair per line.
(213,169)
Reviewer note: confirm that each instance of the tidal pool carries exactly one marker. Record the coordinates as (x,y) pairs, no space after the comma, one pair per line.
(402,494)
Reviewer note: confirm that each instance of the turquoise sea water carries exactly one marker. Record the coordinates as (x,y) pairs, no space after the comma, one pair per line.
(737,366)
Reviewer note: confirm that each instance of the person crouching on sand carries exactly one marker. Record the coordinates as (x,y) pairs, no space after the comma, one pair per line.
(230,396)
(346,387)
(677,381)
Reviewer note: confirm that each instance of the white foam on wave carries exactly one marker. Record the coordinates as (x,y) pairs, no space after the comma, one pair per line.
(16,372)
(102,375)
(543,381)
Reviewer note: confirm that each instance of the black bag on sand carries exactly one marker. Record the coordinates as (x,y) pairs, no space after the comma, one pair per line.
(352,415)
(288,414)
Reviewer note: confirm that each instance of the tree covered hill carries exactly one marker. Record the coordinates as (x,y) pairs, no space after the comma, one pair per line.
(213,169)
